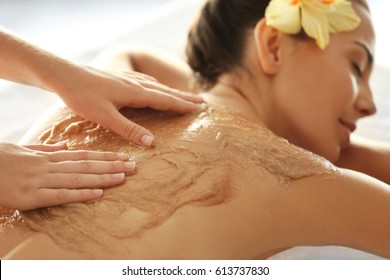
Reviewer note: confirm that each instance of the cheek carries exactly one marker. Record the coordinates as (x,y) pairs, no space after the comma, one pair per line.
(354,87)
(311,110)
(310,103)
(344,94)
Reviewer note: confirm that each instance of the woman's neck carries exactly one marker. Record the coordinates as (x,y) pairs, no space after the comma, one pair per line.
(244,100)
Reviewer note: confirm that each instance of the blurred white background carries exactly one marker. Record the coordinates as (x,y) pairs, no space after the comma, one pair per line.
(69,27)
(380,15)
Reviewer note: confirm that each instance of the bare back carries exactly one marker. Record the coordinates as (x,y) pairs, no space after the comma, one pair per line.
(211,188)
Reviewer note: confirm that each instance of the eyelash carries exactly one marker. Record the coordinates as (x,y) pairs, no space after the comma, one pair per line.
(357,69)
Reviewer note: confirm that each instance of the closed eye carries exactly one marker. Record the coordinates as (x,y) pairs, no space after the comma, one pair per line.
(359,71)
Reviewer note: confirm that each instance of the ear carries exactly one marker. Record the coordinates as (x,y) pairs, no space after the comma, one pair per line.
(267,40)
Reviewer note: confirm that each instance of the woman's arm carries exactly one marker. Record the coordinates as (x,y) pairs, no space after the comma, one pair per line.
(167,69)
(369,157)
(351,210)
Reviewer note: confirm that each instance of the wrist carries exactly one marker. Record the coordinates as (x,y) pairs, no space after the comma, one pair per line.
(57,75)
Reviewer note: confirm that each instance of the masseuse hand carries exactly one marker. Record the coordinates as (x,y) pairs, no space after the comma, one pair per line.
(97,95)
(45,175)
(94,94)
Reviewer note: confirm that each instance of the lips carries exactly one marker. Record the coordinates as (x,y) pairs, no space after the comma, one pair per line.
(349,125)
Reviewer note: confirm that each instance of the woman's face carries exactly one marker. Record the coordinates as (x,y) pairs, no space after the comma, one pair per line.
(321,94)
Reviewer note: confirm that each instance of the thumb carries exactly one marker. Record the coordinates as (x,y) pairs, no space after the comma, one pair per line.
(129,130)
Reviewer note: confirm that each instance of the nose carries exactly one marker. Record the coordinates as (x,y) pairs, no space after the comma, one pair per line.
(365,104)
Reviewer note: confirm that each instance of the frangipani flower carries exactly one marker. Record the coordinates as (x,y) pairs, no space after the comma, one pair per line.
(318,18)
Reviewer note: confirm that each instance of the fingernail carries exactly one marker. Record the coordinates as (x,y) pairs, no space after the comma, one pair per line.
(129,166)
(122,156)
(118,176)
(97,192)
(200,99)
(146,140)
(199,106)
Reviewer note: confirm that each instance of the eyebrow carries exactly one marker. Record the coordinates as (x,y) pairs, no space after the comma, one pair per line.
(368,52)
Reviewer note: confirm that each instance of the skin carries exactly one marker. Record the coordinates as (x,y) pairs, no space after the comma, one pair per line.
(310,211)
(95,94)
(320,125)
(347,209)
(37,176)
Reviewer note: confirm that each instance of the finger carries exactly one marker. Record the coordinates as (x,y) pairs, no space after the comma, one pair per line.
(128,129)
(82,181)
(48,148)
(93,167)
(86,155)
(161,101)
(152,83)
(171,91)
(55,197)
(139,76)
(68,188)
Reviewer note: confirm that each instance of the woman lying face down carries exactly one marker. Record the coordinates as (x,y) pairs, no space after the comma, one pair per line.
(224,182)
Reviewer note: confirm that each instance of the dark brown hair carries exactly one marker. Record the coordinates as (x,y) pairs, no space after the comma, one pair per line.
(216,41)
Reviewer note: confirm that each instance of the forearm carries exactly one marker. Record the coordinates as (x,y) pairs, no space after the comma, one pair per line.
(25,63)
(369,157)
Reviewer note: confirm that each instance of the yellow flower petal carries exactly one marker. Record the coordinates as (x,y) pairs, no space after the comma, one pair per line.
(324,6)
(318,18)
(315,23)
(284,15)
(344,17)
